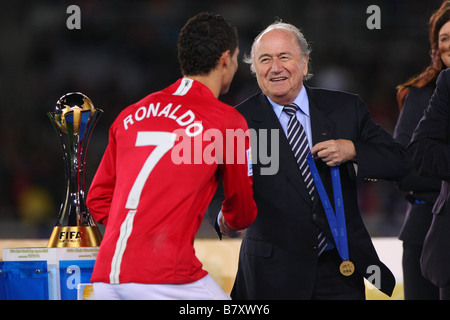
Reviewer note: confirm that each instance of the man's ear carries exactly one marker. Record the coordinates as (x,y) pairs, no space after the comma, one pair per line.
(225,59)
(305,66)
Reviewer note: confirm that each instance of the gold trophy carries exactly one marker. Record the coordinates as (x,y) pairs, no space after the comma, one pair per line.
(74,120)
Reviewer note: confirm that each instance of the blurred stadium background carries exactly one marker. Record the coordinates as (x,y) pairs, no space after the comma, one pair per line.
(127,49)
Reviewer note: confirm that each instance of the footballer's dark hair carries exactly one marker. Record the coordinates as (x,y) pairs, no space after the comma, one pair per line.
(202,41)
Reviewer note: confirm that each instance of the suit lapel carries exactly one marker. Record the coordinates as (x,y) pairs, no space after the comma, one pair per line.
(322,129)
(321,126)
(265,118)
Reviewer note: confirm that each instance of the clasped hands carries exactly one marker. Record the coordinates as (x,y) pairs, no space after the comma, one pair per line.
(332,152)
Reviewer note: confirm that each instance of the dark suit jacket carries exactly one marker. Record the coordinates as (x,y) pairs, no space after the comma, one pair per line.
(430,147)
(425,189)
(278,257)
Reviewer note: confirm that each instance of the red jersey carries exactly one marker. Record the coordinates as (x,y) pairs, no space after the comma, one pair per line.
(157,177)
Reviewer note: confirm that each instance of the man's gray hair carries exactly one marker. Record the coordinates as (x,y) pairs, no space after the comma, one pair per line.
(304,47)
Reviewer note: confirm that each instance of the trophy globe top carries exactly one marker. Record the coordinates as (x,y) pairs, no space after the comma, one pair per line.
(73,104)
(74,101)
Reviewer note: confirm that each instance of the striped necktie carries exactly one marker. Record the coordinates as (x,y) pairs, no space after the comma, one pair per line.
(300,147)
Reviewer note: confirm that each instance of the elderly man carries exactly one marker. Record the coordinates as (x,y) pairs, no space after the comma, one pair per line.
(290,251)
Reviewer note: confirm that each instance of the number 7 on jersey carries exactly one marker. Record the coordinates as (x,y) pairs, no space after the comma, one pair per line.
(164,141)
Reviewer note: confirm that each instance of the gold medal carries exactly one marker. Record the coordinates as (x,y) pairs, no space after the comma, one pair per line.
(347,268)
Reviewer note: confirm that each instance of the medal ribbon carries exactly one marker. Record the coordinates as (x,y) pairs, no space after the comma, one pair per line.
(336,221)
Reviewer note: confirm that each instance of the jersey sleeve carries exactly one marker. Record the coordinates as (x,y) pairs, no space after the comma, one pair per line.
(238,208)
(102,187)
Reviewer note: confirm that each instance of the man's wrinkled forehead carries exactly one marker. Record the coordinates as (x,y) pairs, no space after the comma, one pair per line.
(278,41)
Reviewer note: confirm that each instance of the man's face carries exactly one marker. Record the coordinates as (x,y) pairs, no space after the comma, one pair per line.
(280,66)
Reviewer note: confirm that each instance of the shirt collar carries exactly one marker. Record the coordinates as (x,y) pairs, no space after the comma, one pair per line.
(301,101)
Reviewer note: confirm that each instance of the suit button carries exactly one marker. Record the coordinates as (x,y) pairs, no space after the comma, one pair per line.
(314,216)
(315,248)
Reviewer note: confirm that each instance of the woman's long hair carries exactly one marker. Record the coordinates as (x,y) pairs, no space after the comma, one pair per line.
(430,74)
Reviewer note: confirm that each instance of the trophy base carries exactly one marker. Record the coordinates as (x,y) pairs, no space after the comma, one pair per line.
(75,237)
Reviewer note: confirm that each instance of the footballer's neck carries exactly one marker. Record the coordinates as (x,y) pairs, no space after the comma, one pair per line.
(213,80)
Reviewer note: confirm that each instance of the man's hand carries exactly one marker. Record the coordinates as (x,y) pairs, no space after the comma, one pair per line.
(335,152)
(226,230)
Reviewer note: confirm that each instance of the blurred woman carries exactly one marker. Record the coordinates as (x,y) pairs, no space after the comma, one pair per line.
(413,98)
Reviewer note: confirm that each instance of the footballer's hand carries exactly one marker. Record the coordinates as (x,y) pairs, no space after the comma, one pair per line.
(225,229)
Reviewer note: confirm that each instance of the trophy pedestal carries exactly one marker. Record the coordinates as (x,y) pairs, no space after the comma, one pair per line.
(75,237)
(47,273)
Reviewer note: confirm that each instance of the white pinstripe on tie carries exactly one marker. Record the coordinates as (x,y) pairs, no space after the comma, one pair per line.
(299,144)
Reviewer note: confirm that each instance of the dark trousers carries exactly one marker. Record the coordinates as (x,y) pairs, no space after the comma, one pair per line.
(416,287)
(332,285)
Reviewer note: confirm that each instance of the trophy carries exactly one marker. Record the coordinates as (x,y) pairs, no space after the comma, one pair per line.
(74,120)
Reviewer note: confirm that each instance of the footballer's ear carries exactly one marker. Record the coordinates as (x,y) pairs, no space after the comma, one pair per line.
(225,58)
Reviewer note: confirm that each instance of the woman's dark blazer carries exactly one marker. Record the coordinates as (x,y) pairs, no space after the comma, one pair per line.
(430,149)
